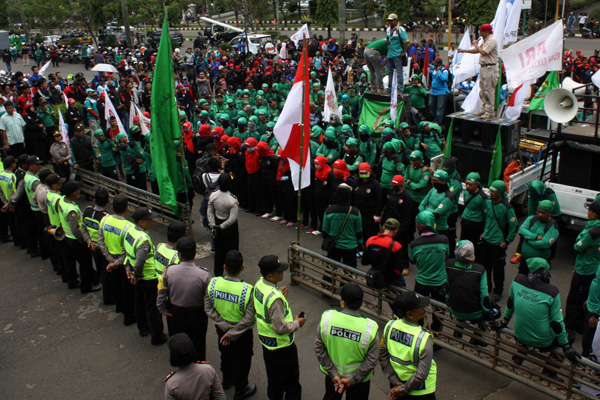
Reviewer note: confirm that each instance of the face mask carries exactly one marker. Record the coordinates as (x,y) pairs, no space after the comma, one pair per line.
(440,187)
(250,149)
(364,138)
(338,173)
(365,175)
(387,153)
(241,127)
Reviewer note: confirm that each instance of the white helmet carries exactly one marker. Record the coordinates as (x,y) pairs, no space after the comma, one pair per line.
(177,50)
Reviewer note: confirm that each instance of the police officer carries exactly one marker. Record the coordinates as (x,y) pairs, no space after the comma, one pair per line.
(26,206)
(110,241)
(429,253)
(75,247)
(406,353)
(166,253)
(20,205)
(535,303)
(229,304)
(539,233)
(586,265)
(222,213)
(92,216)
(193,380)
(499,231)
(139,266)
(8,189)
(41,216)
(185,285)
(276,331)
(473,216)
(53,197)
(346,347)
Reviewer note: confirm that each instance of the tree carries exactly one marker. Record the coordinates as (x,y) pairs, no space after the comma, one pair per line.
(480,11)
(367,8)
(327,14)
(401,8)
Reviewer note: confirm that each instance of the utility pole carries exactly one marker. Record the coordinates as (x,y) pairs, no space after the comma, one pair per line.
(125,13)
(449,22)
(24,21)
(277,16)
(342,19)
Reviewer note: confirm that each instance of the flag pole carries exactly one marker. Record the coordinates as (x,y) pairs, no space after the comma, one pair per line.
(299,206)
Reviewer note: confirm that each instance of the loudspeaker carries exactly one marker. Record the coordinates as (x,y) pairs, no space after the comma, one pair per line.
(579,168)
(560,105)
(481,133)
(476,159)
(569,84)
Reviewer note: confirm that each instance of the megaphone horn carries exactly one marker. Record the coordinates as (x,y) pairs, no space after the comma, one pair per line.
(560,105)
(570,84)
(57,232)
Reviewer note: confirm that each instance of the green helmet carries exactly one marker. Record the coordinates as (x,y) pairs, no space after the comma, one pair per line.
(242,121)
(270,125)
(346,129)
(364,129)
(254,119)
(134,129)
(426,218)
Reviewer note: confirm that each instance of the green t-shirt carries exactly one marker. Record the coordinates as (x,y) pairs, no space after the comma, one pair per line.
(429,254)
(380,46)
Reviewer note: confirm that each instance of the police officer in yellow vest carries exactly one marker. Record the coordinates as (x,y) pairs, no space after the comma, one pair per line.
(26,216)
(406,353)
(53,197)
(138,258)
(75,247)
(8,189)
(92,215)
(166,253)
(110,241)
(229,304)
(347,348)
(276,330)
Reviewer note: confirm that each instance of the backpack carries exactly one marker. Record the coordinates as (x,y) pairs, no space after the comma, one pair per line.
(197,182)
(210,187)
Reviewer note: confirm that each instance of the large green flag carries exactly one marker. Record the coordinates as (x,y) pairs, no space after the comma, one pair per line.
(551,83)
(448,149)
(498,88)
(496,167)
(165,123)
(375,113)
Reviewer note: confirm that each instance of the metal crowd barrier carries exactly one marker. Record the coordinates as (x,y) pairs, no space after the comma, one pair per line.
(91,181)
(580,381)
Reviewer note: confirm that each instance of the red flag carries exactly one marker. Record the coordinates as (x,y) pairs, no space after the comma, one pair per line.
(426,68)
(289,131)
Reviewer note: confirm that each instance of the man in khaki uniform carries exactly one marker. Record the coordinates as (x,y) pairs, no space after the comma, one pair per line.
(488,76)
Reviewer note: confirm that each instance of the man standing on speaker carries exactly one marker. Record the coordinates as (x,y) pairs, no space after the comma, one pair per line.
(488,76)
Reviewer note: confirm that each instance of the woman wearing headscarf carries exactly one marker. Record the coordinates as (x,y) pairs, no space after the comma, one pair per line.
(268,174)
(252,163)
(189,144)
(35,135)
(237,167)
(366,196)
(342,174)
(324,178)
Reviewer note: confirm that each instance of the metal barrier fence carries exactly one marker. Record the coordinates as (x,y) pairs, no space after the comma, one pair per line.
(91,181)
(495,351)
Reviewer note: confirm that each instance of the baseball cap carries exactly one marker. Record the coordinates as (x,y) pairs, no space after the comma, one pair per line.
(176,229)
(392,224)
(271,263)
(33,160)
(408,301)
(351,293)
(57,133)
(392,17)
(101,194)
(398,180)
(79,127)
(22,159)
(53,179)
(142,213)
(43,175)
(595,206)
(70,187)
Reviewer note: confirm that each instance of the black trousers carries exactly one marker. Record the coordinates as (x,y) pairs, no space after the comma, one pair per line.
(309,208)
(103,277)
(253,188)
(283,373)
(110,172)
(69,272)
(451,234)
(40,233)
(193,322)
(288,199)
(236,359)
(123,293)
(77,252)
(227,239)
(578,294)
(4,224)
(147,315)
(437,293)
(26,225)
(494,261)
(588,335)
(344,256)
(63,170)
(472,232)
(360,391)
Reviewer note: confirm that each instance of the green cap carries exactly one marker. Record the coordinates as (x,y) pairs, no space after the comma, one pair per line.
(98,132)
(346,128)
(474,177)
(498,187)
(242,113)
(426,218)
(404,125)
(416,155)
(536,263)
(346,117)
(121,136)
(242,121)
(352,142)
(270,125)
(254,119)
(389,122)
(224,116)
(316,131)
(203,101)
(134,129)
(441,175)
(182,113)
(546,205)
(204,114)
(364,129)
(388,131)
(229,101)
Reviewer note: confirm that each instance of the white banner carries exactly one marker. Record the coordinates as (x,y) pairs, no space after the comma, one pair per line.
(472,103)
(465,65)
(110,111)
(517,99)
(331,104)
(596,78)
(145,122)
(394,97)
(44,68)
(499,23)
(62,127)
(513,12)
(301,34)
(532,57)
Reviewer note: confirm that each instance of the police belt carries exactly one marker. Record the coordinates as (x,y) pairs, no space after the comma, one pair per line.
(186,312)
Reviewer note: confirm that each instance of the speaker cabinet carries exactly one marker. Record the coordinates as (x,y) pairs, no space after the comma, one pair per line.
(481,133)
(579,168)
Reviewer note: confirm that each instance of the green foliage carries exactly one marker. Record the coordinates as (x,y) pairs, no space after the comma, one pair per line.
(39,38)
(574,5)
(595,13)
(480,11)
(306,19)
(111,41)
(327,12)
(431,8)
(226,46)
(74,42)
(399,7)
(293,7)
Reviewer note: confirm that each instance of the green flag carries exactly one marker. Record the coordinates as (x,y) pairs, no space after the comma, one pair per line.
(375,113)
(448,149)
(551,83)
(498,88)
(496,167)
(165,123)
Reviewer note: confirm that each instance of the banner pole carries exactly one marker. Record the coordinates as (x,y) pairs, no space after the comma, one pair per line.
(299,206)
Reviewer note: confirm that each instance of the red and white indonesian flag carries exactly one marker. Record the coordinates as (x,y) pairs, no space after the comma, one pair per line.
(110,111)
(515,104)
(293,126)
(331,104)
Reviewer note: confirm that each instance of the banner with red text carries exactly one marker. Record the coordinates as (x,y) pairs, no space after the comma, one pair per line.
(531,58)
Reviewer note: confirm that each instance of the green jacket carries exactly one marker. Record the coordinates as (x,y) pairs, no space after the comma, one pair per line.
(130,154)
(538,192)
(530,230)
(417,95)
(440,204)
(456,188)
(500,222)
(434,144)
(475,209)
(535,305)
(351,235)
(46,117)
(369,150)
(107,153)
(419,179)
(593,300)
(429,254)
(586,246)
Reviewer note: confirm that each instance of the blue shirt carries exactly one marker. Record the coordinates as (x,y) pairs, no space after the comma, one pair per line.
(396,38)
(439,81)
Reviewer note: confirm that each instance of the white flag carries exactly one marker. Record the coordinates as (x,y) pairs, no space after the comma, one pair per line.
(394,97)
(472,103)
(301,34)
(499,23)
(596,78)
(513,15)
(531,58)
(464,65)
(66,100)
(131,113)
(331,105)
(515,104)
(145,122)
(44,68)
(110,111)
(62,127)
(283,53)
